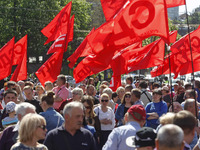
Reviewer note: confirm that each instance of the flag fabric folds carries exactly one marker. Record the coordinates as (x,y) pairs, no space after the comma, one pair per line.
(138,20)
(115,82)
(59,25)
(83,50)
(180,57)
(6,57)
(112,7)
(51,68)
(20,53)
(175,3)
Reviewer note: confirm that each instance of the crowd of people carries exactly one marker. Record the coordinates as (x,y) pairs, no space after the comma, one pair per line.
(90,116)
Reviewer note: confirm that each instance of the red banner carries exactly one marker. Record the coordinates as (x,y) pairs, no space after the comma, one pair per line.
(6,57)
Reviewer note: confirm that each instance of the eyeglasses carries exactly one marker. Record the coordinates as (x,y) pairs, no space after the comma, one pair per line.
(87,107)
(43,127)
(127,96)
(104,100)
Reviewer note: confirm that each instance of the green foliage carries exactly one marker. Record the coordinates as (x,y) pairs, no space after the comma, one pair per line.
(20,17)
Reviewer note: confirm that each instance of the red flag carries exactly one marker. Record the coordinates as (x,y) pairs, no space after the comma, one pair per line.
(153,56)
(83,50)
(20,50)
(58,45)
(139,20)
(71,30)
(61,41)
(174,3)
(87,67)
(51,68)
(177,62)
(119,61)
(115,82)
(183,43)
(180,59)
(6,57)
(59,25)
(112,7)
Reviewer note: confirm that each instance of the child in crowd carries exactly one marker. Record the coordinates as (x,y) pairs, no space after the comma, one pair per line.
(12,118)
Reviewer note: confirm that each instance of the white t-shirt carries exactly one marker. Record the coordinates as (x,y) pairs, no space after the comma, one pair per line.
(105,115)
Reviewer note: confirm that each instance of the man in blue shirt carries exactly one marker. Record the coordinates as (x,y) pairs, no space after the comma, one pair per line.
(135,118)
(71,135)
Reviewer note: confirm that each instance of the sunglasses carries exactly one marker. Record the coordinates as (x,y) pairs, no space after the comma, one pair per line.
(127,96)
(43,127)
(104,100)
(87,107)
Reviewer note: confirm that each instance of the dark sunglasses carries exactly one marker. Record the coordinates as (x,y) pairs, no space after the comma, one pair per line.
(127,96)
(87,107)
(43,127)
(104,100)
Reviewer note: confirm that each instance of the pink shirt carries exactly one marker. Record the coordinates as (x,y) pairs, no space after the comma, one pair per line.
(62,92)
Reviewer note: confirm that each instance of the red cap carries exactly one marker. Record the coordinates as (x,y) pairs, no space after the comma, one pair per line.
(137,109)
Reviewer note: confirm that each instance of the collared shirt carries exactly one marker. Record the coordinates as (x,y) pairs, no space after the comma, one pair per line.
(117,138)
(53,118)
(62,92)
(60,139)
(187,146)
(139,102)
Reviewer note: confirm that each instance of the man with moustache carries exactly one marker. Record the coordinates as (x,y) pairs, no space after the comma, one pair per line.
(71,135)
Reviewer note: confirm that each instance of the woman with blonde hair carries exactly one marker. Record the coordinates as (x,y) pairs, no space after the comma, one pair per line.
(32,129)
(106,117)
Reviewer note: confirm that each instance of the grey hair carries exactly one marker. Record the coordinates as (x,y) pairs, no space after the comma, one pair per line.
(22,107)
(108,91)
(68,107)
(189,103)
(78,90)
(170,136)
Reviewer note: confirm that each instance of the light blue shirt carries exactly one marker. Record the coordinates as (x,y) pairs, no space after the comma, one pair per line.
(117,138)
(53,118)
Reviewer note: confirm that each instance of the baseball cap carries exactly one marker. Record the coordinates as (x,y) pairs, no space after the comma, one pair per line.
(10,107)
(137,109)
(144,137)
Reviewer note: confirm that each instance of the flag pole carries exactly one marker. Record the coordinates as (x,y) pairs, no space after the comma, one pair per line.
(170,78)
(192,63)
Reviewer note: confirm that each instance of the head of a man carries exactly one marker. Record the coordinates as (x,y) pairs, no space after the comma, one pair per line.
(73,113)
(176,106)
(28,91)
(61,80)
(191,107)
(136,113)
(129,80)
(135,94)
(143,85)
(170,137)
(24,108)
(10,95)
(186,120)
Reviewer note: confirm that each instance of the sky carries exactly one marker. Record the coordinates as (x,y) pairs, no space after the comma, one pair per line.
(191,5)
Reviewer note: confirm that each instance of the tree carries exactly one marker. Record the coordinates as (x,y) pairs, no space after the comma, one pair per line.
(20,17)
